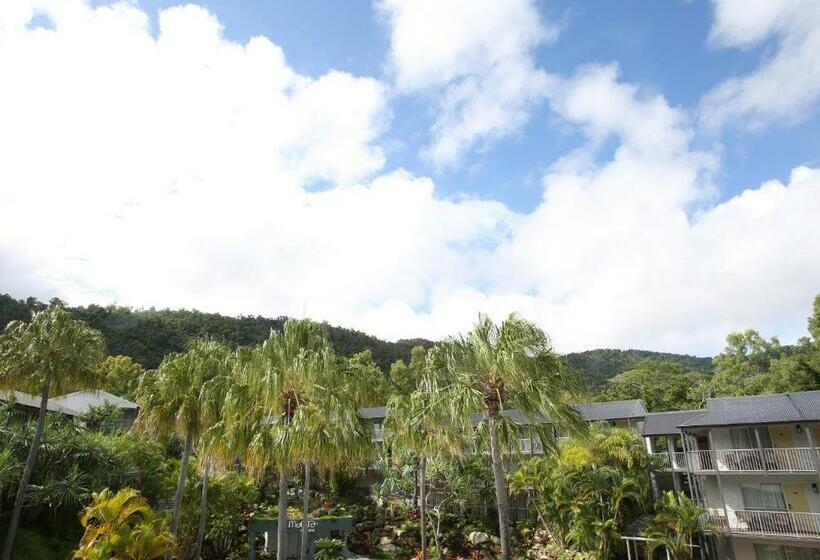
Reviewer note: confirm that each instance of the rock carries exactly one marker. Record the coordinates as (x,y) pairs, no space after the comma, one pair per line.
(477,537)
(388,548)
(385,540)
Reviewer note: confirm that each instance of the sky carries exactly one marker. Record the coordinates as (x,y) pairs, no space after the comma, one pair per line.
(627,175)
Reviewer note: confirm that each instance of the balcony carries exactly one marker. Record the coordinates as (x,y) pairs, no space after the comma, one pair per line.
(675,461)
(783,524)
(776,460)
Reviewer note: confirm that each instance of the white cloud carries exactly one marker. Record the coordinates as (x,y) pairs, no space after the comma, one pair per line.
(170,169)
(475,57)
(786,84)
(635,252)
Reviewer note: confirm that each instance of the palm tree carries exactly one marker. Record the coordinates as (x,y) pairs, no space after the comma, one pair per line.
(54,353)
(279,400)
(178,399)
(122,525)
(675,525)
(500,367)
(419,423)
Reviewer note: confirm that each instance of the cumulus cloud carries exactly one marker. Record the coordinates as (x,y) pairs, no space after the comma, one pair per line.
(786,84)
(476,58)
(173,167)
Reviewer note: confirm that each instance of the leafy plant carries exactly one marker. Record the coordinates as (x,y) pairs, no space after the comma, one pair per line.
(675,526)
(123,526)
(329,549)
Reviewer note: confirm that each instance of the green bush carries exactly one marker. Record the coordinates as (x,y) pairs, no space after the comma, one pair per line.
(329,549)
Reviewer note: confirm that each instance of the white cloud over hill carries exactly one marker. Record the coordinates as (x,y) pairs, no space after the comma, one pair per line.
(169,167)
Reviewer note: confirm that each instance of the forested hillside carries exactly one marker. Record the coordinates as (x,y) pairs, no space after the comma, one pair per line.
(599,366)
(748,365)
(147,335)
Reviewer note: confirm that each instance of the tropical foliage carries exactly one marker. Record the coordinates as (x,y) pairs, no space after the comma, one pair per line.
(588,491)
(123,526)
(54,353)
(677,526)
(500,367)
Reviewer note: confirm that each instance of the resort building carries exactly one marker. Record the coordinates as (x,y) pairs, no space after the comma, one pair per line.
(74,404)
(84,401)
(753,461)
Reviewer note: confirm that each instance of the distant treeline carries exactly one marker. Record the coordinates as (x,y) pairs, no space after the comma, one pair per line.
(597,367)
(147,335)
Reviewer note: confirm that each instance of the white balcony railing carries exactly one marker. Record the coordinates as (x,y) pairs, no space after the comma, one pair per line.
(662,459)
(700,460)
(794,459)
(786,459)
(676,460)
(788,524)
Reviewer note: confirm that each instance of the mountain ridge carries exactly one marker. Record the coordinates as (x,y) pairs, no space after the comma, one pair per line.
(147,335)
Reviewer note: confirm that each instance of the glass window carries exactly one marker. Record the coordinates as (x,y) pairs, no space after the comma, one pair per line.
(742,438)
(766,497)
(746,438)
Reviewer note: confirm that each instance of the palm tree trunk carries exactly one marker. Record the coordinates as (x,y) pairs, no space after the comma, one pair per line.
(502,500)
(303,545)
(282,525)
(183,471)
(423,506)
(203,514)
(29,468)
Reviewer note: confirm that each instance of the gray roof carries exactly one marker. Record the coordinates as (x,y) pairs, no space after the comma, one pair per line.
(613,410)
(759,409)
(83,401)
(666,423)
(373,412)
(30,401)
(516,416)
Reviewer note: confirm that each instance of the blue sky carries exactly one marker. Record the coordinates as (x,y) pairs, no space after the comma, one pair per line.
(626,174)
(660,45)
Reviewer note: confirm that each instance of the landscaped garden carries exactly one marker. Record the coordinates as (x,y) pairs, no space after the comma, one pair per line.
(232,442)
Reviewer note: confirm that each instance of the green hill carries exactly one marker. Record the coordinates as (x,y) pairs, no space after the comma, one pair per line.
(146,335)
(598,366)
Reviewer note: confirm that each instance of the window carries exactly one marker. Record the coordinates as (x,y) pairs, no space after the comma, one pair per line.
(775,552)
(746,438)
(764,497)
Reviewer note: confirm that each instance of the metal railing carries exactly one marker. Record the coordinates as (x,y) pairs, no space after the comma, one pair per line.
(676,460)
(790,524)
(790,459)
(786,459)
(700,460)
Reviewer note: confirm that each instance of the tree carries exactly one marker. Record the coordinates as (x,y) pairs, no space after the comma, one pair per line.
(280,399)
(662,386)
(339,439)
(372,387)
(174,401)
(420,423)
(54,353)
(499,367)
(751,365)
(121,376)
(405,378)
(589,490)
(122,525)
(675,526)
